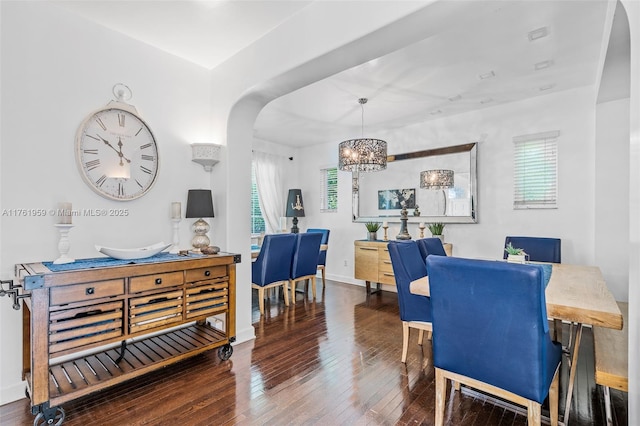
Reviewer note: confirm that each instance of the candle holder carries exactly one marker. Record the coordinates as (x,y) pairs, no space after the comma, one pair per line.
(176,236)
(63,244)
(421,226)
(385,232)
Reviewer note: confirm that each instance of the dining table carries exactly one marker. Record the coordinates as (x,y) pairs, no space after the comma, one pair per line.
(576,294)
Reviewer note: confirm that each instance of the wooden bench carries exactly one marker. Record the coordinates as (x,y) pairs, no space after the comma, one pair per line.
(611,358)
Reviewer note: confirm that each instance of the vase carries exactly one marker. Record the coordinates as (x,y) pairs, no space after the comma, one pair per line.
(372,236)
(516,258)
(441,237)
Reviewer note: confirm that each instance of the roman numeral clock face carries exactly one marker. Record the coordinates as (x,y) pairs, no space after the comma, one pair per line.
(117,154)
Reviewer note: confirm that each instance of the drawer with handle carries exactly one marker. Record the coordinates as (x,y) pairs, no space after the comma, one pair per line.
(86,291)
(201,274)
(152,282)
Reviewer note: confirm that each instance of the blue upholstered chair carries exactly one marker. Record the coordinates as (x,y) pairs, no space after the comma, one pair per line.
(539,249)
(322,259)
(429,246)
(490,332)
(272,267)
(415,309)
(305,261)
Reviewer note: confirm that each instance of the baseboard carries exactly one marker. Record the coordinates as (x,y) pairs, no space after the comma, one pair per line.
(245,335)
(12,393)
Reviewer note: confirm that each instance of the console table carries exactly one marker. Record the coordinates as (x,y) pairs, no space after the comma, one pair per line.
(373,264)
(136,317)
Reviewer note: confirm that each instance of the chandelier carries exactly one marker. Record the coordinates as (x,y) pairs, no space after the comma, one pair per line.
(436,179)
(364,154)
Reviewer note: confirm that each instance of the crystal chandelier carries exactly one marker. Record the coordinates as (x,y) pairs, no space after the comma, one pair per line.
(363,154)
(436,179)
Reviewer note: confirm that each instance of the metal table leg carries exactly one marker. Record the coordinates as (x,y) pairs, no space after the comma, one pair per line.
(572,371)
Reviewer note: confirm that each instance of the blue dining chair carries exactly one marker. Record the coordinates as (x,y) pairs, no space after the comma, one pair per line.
(490,332)
(272,267)
(538,249)
(430,246)
(305,261)
(415,309)
(322,258)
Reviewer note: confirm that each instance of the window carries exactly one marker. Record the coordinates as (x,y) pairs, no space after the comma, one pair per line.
(257,221)
(329,189)
(535,182)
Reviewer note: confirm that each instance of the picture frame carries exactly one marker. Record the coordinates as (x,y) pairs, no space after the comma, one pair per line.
(393,199)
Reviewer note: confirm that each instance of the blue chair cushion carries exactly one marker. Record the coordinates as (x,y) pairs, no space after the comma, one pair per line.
(408,266)
(274,260)
(490,323)
(539,249)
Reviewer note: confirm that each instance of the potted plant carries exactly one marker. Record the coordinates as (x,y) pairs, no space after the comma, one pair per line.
(436,230)
(515,255)
(372,228)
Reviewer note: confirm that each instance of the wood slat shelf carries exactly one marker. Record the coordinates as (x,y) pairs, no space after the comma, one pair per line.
(84,375)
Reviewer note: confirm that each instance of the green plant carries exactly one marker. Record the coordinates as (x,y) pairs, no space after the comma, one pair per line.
(436,228)
(372,226)
(513,250)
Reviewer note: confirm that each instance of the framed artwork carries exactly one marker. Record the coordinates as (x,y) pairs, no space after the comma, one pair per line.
(390,199)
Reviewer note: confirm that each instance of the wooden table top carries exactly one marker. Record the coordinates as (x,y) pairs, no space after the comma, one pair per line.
(580,294)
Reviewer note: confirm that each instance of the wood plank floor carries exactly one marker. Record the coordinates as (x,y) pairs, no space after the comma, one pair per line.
(335,361)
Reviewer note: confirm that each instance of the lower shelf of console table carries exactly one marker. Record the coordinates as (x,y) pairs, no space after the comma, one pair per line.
(87,374)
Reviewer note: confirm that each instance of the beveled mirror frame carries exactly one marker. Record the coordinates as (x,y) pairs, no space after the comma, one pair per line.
(471,148)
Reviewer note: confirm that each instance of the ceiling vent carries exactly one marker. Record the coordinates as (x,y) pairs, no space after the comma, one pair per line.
(539,33)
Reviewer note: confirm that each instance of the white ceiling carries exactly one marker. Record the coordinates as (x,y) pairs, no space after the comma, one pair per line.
(433,78)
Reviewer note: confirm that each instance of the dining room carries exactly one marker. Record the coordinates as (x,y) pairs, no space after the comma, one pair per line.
(592,119)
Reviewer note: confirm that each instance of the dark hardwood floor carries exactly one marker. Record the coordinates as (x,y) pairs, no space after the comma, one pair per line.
(335,361)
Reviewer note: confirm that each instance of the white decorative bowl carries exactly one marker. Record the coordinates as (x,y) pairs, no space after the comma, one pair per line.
(134,253)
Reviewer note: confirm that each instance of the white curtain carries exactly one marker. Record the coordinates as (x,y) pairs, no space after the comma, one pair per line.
(269,185)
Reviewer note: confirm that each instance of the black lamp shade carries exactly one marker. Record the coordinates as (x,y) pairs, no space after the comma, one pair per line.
(295,206)
(199,203)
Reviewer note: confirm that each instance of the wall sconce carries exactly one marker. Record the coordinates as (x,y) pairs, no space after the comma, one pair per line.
(206,154)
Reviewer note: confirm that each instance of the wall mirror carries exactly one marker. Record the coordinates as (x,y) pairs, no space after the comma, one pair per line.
(378,196)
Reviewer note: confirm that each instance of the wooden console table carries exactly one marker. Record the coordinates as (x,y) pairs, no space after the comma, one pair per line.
(124,314)
(373,264)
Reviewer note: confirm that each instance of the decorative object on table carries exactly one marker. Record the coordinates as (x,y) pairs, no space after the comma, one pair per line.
(363,154)
(416,212)
(393,199)
(421,227)
(205,154)
(403,234)
(372,229)
(199,205)
(283,224)
(176,216)
(295,208)
(133,253)
(116,151)
(437,180)
(210,250)
(385,226)
(64,213)
(63,243)
(514,254)
(436,230)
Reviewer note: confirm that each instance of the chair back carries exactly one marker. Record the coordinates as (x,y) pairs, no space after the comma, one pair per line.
(322,258)
(408,266)
(429,246)
(305,254)
(539,249)
(274,260)
(490,324)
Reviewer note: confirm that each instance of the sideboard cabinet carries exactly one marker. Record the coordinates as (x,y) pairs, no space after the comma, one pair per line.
(373,264)
(90,328)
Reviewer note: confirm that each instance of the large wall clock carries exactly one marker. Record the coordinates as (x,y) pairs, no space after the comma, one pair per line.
(116,152)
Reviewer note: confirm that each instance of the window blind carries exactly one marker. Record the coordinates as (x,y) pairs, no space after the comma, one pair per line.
(535,182)
(329,189)
(257,221)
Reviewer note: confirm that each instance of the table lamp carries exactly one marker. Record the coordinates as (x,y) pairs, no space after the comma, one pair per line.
(199,205)
(295,209)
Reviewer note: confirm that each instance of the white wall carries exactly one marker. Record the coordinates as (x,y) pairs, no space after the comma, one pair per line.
(570,112)
(56,69)
(612,195)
